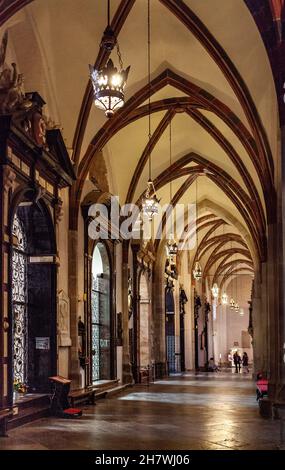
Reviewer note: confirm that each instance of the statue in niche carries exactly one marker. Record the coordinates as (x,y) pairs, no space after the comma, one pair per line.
(12,96)
(130,297)
(39,129)
(64,319)
(207,310)
(197,305)
(81,342)
(182,295)
(119,329)
(58,209)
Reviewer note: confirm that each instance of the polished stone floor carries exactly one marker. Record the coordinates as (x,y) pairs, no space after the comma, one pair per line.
(190,411)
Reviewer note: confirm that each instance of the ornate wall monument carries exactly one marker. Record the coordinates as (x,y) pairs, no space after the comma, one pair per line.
(34,168)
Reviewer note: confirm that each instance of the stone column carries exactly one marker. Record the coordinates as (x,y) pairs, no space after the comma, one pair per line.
(177,327)
(189,322)
(279,357)
(127,372)
(74,373)
(7,177)
(260,323)
(158,306)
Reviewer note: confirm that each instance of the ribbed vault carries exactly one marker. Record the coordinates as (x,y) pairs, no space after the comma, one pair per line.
(223,134)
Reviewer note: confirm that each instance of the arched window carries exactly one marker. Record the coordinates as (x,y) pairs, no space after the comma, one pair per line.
(100,314)
(19,301)
(144,323)
(33,297)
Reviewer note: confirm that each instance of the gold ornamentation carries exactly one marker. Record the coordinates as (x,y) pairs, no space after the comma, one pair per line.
(9,177)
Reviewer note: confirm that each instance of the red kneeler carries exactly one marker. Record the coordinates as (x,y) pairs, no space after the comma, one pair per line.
(261,388)
(60,405)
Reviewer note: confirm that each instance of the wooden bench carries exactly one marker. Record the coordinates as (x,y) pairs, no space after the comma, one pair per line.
(4,416)
(145,375)
(86,394)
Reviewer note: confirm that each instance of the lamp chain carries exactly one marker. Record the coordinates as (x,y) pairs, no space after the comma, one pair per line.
(149,87)
(108,12)
(197,217)
(170,155)
(119,56)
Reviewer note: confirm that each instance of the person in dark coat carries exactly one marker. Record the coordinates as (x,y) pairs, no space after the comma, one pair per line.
(245,362)
(237,362)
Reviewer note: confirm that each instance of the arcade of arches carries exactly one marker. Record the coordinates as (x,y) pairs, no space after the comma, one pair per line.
(99,311)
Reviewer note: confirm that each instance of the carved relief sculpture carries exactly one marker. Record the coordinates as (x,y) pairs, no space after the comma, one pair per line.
(63,319)
(58,212)
(9,177)
(39,129)
(12,96)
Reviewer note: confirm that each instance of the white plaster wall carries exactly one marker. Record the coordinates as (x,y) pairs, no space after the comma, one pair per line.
(221,334)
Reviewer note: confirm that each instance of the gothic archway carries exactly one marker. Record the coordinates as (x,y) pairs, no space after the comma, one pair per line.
(32,293)
(100,314)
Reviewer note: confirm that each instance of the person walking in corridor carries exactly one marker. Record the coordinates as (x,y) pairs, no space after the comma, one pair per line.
(245,362)
(237,362)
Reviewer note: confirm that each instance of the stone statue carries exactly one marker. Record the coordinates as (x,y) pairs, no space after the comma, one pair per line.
(39,129)
(64,339)
(58,212)
(63,325)
(12,96)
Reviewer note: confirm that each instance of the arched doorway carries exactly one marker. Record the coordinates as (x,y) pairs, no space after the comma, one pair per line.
(144,323)
(32,296)
(100,314)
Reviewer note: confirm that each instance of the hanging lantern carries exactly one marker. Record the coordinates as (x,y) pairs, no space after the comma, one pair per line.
(236,307)
(109,82)
(224,299)
(215,290)
(241,312)
(232,304)
(197,271)
(171,246)
(150,202)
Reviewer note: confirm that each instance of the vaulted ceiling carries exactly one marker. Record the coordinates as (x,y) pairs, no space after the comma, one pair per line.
(210,77)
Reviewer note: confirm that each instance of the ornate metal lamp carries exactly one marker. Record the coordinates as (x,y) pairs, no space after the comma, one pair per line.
(215,290)
(236,307)
(224,298)
(197,271)
(109,82)
(232,304)
(171,246)
(150,202)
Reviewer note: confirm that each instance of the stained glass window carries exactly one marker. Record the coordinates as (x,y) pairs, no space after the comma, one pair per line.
(19,298)
(100,315)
